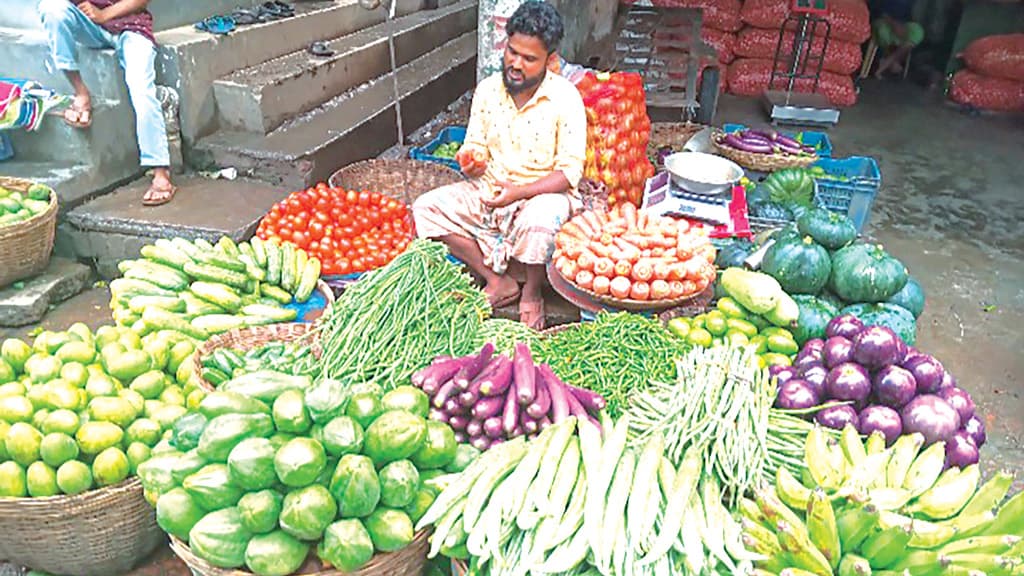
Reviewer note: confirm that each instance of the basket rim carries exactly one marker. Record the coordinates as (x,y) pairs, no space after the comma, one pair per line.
(62,500)
(760,162)
(183,551)
(36,220)
(239,337)
(370,163)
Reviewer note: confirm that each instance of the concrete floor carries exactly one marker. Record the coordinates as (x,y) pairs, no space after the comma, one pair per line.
(949,208)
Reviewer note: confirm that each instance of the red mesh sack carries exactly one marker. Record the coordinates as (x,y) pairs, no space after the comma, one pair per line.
(987,92)
(841,57)
(849,19)
(718,14)
(722,42)
(618,130)
(1001,56)
(751,77)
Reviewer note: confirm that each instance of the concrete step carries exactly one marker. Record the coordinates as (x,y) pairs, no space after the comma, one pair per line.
(357,125)
(27,301)
(112,123)
(190,61)
(25,54)
(73,182)
(260,98)
(116,226)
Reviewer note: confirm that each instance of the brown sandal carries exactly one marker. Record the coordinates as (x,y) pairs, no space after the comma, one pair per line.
(532,314)
(156,196)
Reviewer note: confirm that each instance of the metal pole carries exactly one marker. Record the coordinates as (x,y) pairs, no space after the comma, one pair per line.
(394,72)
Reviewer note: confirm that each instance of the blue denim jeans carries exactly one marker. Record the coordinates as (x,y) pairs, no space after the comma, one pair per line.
(66,28)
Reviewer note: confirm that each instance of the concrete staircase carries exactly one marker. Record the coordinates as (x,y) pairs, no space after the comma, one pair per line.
(255,100)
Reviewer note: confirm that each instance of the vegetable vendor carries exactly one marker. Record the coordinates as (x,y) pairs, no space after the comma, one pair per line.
(523,153)
(895,33)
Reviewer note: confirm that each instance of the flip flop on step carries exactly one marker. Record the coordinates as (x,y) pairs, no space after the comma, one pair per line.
(158,196)
(277,9)
(77,116)
(216,25)
(320,49)
(244,16)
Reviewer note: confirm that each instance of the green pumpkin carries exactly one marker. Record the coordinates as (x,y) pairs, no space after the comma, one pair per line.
(911,297)
(732,251)
(830,229)
(866,273)
(801,266)
(897,318)
(815,314)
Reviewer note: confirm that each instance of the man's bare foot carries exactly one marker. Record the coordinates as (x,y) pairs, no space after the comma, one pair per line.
(161,191)
(502,291)
(79,114)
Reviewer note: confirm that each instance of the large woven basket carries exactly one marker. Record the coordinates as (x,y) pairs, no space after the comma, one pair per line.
(404,180)
(25,247)
(760,162)
(409,561)
(672,135)
(102,532)
(253,337)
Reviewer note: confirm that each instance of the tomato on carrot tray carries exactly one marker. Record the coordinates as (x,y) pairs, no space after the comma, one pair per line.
(627,254)
(349,231)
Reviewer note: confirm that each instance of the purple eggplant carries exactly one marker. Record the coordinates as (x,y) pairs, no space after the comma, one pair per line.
(531,426)
(488,407)
(524,374)
(440,359)
(461,437)
(443,393)
(472,369)
(755,137)
(475,428)
(496,442)
(510,412)
(544,423)
(540,405)
(516,432)
(559,401)
(591,400)
(961,450)
(746,145)
(499,380)
(976,429)
(432,377)
(439,415)
(492,427)
(458,422)
(927,371)
(480,442)
(575,407)
(452,406)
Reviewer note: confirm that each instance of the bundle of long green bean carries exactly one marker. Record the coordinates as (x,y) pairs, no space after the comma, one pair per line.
(787,439)
(504,334)
(398,318)
(718,404)
(616,355)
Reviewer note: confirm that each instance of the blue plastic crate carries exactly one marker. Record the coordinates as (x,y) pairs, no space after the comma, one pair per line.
(449,134)
(817,139)
(853,195)
(6,149)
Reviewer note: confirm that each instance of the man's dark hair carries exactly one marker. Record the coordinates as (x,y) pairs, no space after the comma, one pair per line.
(538,19)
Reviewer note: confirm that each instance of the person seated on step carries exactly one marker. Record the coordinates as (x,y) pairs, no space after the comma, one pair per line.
(127,27)
(895,34)
(523,153)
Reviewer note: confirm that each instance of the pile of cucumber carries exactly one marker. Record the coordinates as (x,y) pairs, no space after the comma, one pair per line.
(223,364)
(202,289)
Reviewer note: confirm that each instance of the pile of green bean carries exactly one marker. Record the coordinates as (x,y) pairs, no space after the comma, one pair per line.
(787,438)
(398,318)
(719,403)
(504,334)
(616,355)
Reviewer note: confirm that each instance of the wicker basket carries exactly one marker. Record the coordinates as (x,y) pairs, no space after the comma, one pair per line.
(673,135)
(252,337)
(97,533)
(409,561)
(25,247)
(760,162)
(404,180)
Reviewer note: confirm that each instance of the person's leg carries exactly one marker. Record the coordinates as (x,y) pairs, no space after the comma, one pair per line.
(66,27)
(138,55)
(534,240)
(454,215)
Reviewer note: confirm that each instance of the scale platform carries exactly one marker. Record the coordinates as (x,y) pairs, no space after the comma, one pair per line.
(725,214)
(799,108)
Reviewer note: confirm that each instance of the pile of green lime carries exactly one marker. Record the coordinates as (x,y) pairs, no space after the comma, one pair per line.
(447,150)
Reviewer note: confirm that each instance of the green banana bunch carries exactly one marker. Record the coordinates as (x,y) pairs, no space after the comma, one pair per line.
(864,509)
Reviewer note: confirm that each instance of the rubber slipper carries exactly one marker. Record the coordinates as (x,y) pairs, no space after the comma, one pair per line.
(78,117)
(243,16)
(216,25)
(165,195)
(320,49)
(267,14)
(506,301)
(283,7)
(277,10)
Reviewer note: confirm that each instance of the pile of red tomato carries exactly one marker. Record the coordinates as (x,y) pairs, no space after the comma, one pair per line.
(349,231)
(618,130)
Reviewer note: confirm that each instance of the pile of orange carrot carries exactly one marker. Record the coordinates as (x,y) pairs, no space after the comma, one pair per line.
(626,253)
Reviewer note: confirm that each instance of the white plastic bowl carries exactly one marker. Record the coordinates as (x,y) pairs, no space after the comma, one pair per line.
(701,173)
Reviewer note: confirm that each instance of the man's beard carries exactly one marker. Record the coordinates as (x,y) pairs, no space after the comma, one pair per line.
(518,86)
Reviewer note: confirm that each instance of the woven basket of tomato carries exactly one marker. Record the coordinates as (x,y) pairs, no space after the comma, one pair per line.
(632,260)
(350,232)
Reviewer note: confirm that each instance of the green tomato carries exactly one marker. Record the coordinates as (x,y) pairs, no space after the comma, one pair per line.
(699,337)
(679,326)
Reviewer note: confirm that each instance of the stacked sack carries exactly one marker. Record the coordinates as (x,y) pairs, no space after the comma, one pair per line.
(721,20)
(756,43)
(994,77)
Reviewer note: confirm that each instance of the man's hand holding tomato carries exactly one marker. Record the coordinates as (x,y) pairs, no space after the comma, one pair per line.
(472,161)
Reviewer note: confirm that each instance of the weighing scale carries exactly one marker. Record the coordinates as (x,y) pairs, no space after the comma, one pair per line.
(726,213)
(784,106)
